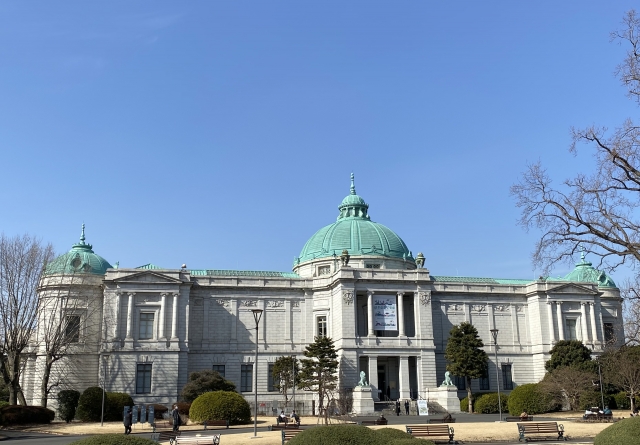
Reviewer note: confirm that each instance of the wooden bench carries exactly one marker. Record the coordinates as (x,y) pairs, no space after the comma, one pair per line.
(431,431)
(163,436)
(213,439)
(518,419)
(215,423)
(287,434)
(541,429)
(293,426)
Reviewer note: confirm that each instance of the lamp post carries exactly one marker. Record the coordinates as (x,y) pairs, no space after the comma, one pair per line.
(601,391)
(293,374)
(494,334)
(105,357)
(257,314)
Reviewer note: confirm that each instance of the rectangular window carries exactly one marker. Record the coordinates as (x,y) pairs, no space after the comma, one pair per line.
(460,382)
(246,378)
(72,328)
(322,326)
(483,382)
(571,334)
(146,325)
(507,382)
(219,369)
(609,335)
(143,379)
(270,381)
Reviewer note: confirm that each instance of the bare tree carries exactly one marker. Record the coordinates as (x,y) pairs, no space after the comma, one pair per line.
(568,382)
(22,259)
(622,368)
(597,210)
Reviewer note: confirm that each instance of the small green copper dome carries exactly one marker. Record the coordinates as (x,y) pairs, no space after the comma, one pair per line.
(80,259)
(355,232)
(585,272)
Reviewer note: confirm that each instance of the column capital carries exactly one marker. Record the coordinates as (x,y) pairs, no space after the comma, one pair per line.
(400,294)
(370,292)
(131,294)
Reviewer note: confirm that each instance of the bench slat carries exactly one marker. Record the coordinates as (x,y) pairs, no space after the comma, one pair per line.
(431,431)
(213,439)
(539,428)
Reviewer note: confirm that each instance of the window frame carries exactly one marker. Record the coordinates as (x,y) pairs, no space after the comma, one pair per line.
(484,383)
(571,334)
(76,331)
(507,376)
(151,327)
(144,372)
(322,324)
(246,369)
(270,380)
(218,366)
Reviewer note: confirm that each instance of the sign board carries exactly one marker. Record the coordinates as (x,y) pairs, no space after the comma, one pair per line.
(135,414)
(423,408)
(125,412)
(151,416)
(143,414)
(384,314)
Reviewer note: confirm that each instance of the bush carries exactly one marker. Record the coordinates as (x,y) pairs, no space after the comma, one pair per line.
(340,434)
(464,404)
(90,405)
(3,404)
(204,381)
(114,405)
(22,415)
(530,398)
(159,411)
(411,442)
(67,404)
(183,408)
(220,405)
(621,400)
(114,439)
(389,434)
(626,431)
(488,403)
(593,398)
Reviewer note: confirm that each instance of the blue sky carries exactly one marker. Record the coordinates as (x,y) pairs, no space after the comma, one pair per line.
(222,134)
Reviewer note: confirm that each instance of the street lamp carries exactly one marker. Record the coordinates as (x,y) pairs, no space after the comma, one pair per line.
(105,357)
(257,314)
(494,333)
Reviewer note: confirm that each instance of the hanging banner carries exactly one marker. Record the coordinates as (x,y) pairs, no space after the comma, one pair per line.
(384,314)
(423,408)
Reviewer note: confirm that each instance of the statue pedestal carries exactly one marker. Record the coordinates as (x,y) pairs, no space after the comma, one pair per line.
(447,397)
(362,401)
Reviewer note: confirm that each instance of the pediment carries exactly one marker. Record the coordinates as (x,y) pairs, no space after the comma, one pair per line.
(571,288)
(148,277)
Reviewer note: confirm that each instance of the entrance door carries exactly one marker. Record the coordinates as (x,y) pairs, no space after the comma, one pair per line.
(383,385)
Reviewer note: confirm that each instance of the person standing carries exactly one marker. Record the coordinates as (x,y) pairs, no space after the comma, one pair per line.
(406,406)
(175,414)
(397,407)
(128,420)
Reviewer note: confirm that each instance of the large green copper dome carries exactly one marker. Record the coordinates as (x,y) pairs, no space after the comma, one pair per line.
(355,232)
(585,272)
(80,259)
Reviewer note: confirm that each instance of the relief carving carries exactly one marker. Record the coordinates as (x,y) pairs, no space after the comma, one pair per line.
(478,307)
(249,303)
(454,307)
(275,303)
(501,308)
(295,303)
(347,297)
(223,303)
(425,298)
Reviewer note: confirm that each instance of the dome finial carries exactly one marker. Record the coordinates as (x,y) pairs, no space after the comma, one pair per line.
(353,187)
(582,250)
(82,235)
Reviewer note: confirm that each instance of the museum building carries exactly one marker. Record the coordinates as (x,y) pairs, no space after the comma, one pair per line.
(143,330)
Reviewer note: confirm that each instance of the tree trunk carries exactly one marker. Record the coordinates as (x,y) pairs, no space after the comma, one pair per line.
(44,384)
(469,395)
(21,398)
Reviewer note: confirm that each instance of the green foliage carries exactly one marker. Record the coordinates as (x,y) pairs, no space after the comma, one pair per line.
(621,367)
(114,439)
(183,408)
(285,373)
(220,405)
(339,434)
(67,404)
(389,434)
(411,441)
(205,381)
(465,355)
(319,369)
(114,405)
(22,415)
(90,405)
(626,431)
(488,403)
(3,404)
(159,410)
(530,398)
(621,400)
(593,398)
(464,404)
(570,353)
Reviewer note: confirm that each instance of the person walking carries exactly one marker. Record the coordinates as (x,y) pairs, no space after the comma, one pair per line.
(175,414)
(128,420)
(406,406)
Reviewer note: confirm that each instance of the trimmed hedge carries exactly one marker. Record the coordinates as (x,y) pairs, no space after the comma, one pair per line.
(389,434)
(625,431)
(530,398)
(158,410)
(488,403)
(23,415)
(622,401)
(411,441)
(464,403)
(67,404)
(90,405)
(114,405)
(340,434)
(114,439)
(220,405)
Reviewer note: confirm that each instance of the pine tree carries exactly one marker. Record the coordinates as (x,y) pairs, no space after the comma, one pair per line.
(285,374)
(319,370)
(465,356)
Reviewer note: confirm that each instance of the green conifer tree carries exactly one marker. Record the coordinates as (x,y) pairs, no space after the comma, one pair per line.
(319,370)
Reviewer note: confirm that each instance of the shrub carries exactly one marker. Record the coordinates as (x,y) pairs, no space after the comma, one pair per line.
(204,381)
(159,411)
(67,404)
(389,434)
(90,405)
(183,408)
(621,400)
(3,404)
(21,415)
(488,403)
(530,398)
(114,439)
(464,404)
(339,434)
(411,441)
(592,398)
(220,405)
(626,431)
(114,405)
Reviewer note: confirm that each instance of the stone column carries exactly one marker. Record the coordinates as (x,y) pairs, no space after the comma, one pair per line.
(405,390)
(583,323)
(370,313)
(163,305)
(130,315)
(601,323)
(560,319)
(206,308)
(174,318)
(594,330)
(552,332)
(116,323)
(372,375)
(401,332)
